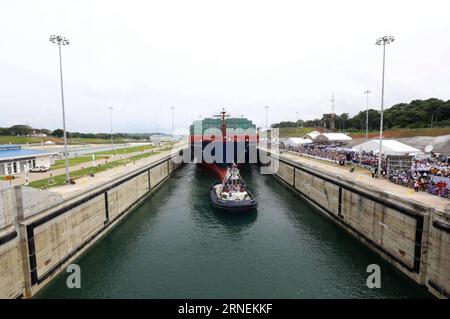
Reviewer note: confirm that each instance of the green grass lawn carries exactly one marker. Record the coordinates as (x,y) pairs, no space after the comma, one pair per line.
(127,150)
(10,139)
(93,140)
(292,131)
(104,154)
(21,139)
(75,161)
(59,180)
(134,149)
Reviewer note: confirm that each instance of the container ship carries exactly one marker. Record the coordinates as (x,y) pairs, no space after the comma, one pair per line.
(229,135)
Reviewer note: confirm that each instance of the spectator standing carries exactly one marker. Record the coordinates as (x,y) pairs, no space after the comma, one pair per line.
(416,186)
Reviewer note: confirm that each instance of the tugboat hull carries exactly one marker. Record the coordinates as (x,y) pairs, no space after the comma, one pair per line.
(231,205)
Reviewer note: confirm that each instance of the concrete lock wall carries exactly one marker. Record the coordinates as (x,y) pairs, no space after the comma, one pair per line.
(438,263)
(7,205)
(57,238)
(120,198)
(415,238)
(11,275)
(40,241)
(36,200)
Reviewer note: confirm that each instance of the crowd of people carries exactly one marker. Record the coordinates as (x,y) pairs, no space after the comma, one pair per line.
(337,154)
(428,175)
(330,153)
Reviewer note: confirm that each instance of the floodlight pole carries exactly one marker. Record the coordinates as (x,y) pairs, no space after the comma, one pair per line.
(382,41)
(367,113)
(59,40)
(111,124)
(267,117)
(173,122)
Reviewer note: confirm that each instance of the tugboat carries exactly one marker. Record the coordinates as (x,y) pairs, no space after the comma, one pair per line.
(231,194)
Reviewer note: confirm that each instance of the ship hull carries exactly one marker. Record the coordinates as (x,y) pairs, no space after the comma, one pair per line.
(231,152)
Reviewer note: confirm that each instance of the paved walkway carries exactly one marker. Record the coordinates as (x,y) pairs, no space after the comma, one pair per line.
(363,177)
(20,178)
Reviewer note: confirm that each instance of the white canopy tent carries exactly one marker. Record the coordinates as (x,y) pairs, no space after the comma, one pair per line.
(297,141)
(312,135)
(332,137)
(389,147)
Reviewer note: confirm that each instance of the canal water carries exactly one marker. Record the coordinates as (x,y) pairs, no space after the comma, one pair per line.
(175,245)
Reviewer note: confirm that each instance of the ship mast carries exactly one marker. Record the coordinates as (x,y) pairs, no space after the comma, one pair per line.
(224,122)
(223,126)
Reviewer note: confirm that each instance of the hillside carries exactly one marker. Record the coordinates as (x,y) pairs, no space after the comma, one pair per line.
(292,131)
(394,133)
(397,133)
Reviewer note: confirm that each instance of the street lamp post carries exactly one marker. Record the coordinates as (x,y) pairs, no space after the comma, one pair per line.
(111,124)
(367,92)
(60,40)
(173,122)
(267,117)
(382,41)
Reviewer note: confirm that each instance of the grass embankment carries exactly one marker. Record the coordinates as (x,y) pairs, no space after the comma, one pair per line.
(10,139)
(393,133)
(103,154)
(293,132)
(59,180)
(128,150)
(75,161)
(412,132)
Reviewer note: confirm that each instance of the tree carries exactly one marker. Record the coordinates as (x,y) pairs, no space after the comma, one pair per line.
(57,133)
(418,113)
(4,131)
(21,130)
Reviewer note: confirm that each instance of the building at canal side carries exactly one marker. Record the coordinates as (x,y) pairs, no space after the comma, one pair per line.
(14,159)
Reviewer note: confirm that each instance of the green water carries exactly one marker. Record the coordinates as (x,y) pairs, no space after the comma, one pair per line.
(176,246)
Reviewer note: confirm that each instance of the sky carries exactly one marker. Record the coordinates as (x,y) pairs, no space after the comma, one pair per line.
(143,57)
